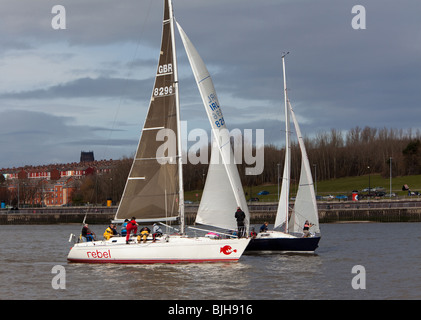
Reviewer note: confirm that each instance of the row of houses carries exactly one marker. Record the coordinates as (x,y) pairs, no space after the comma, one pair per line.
(50,185)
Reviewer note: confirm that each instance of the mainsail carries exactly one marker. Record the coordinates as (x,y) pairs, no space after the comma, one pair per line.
(223,190)
(153,186)
(305,207)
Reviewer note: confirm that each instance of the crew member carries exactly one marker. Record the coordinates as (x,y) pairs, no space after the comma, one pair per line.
(157,232)
(131,226)
(143,235)
(240,216)
(306,229)
(109,232)
(87,233)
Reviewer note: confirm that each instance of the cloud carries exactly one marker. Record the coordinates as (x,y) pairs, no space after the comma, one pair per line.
(29,137)
(75,79)
(86,88)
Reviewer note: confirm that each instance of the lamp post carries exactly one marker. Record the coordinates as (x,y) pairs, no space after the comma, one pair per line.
(390,163)
(369,186)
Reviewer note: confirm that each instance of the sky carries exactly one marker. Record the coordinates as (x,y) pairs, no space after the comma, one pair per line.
(87,87)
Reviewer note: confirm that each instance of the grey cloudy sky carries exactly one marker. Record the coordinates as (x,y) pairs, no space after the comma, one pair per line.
(88,87)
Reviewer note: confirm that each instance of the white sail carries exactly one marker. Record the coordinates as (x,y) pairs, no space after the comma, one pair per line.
(223,191)
(305,207)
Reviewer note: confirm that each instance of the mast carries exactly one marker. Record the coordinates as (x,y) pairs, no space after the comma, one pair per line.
(177,106)
(287,169)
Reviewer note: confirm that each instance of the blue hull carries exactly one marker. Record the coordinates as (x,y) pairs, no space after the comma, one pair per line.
(284,244)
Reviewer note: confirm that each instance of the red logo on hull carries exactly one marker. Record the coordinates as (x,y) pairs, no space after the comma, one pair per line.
(227,250)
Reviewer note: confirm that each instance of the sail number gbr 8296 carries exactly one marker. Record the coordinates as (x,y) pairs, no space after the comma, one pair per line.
(162,91)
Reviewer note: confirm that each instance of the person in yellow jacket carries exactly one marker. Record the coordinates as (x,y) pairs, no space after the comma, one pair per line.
(143,235)
(109,232)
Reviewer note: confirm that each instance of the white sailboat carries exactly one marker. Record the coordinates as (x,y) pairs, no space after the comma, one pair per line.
(154,189)
(292,237)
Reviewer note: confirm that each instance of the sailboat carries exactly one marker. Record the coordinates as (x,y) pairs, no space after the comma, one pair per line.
(154,189)
(304,213)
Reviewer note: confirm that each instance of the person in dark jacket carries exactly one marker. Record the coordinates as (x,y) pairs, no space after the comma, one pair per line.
(240,216)
(87,233)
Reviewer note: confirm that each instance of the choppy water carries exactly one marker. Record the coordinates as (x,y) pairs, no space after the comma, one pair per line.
(389,252)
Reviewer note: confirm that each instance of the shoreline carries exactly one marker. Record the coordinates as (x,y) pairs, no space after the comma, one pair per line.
(331,212)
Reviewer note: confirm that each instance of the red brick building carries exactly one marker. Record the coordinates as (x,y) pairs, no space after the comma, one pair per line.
(50,185)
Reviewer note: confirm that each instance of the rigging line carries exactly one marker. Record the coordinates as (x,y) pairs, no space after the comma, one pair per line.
(124,89)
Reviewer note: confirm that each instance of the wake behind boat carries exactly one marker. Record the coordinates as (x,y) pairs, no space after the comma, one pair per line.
(154,189)
(302,232)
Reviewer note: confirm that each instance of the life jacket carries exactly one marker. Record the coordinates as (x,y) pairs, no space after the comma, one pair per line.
(108,233)
(306,226)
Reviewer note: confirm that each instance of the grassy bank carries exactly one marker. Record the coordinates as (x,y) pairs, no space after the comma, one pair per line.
(333,187)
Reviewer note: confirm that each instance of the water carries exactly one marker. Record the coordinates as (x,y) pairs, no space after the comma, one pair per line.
(389,252)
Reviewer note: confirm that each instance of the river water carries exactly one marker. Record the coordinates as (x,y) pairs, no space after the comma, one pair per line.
(390,254)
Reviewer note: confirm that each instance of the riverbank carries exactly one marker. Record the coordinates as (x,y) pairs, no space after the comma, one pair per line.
(330,212)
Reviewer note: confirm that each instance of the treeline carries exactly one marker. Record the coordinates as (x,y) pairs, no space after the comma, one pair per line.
(332,154)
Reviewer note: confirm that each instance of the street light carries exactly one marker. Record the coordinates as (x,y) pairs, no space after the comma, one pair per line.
(390,163)
(369,187)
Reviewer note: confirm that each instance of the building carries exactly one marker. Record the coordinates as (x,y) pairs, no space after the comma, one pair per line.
(87,156)
(50,185)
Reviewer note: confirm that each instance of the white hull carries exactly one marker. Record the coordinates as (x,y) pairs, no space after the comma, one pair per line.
(172,249)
